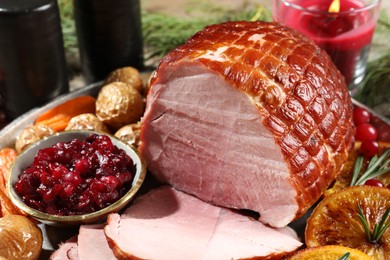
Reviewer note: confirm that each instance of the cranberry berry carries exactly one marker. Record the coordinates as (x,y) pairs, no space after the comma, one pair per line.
(360,116)
(374,182)
(369,148)
(366,131)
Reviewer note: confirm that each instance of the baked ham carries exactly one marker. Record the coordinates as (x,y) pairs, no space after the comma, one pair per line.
(248,115)
(169,224)
(90,243)
(67,250)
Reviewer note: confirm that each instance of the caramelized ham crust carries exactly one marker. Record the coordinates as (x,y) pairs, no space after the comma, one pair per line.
(248,115)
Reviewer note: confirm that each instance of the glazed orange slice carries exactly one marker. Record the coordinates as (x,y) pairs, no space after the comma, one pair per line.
(331,252)
(335,220)
(345,176)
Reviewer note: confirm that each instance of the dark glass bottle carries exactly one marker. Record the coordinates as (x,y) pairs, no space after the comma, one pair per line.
(109,36)
(32,57)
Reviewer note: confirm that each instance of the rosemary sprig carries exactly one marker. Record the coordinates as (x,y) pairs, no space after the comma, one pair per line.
(376,167)
(379,229)
(345,256)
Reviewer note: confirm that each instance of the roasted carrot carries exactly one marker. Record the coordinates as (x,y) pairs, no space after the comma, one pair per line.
(7,157)
(59,116)
(7,207)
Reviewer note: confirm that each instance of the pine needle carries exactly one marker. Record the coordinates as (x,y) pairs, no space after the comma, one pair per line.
(377,78)
(162,32)
(68,26)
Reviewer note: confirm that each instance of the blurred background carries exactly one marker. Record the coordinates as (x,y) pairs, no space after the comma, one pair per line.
(167,24)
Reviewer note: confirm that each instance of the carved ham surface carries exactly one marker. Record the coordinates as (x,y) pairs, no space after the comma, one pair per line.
(248,115)
(90,243)
(67,250)
(169,224)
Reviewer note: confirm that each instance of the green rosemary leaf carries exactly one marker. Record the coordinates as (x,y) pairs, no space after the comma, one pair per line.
(376,167)
(379,228)
(383,230)
(382,226)
(375,174)
(345,256)
(372,161)
(374,233)
(356,170)
(363,219)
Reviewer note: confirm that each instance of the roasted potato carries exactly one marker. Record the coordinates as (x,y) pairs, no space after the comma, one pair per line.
(20,238)
(30,135)
(130,134)
(127,75)
(119,104)
(87,122)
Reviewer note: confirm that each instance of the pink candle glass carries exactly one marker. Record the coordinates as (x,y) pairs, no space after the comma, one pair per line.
(345,34)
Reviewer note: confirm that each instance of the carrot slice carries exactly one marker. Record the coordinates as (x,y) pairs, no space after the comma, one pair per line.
(7,207)
(59,116)
(7,157)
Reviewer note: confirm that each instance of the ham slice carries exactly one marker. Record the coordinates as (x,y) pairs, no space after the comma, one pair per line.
(248,115)
(169,224)
(92,243)
(67,250)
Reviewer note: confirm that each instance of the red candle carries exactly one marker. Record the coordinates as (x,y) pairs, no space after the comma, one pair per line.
(345,35)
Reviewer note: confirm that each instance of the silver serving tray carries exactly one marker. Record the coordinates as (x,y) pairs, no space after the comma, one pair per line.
(54,236)
(11,131)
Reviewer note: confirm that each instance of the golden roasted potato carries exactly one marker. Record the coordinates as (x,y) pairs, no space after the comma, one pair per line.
(119,104)
(20,238)
(130,134)
(30,135)
(87,121)
(127,75)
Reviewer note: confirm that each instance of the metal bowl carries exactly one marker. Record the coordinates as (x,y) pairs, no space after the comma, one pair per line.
(26,158)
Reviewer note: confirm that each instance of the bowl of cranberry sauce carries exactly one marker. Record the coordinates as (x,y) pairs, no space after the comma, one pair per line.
(75,177)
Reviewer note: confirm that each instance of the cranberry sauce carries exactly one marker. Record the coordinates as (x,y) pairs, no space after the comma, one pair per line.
(76,177)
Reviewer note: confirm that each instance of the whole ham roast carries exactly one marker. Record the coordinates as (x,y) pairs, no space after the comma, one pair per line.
(248,115)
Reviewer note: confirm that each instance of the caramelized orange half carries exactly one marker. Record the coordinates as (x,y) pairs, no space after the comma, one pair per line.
(331,252)
(335,220)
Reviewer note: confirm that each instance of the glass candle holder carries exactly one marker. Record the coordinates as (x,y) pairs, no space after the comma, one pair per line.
(345,32)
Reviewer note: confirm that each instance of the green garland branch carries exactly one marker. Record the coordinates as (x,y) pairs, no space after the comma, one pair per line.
(162,32)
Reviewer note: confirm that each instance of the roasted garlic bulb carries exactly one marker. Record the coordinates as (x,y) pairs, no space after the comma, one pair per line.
(119,104)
